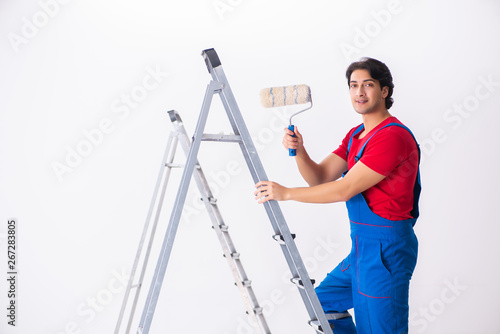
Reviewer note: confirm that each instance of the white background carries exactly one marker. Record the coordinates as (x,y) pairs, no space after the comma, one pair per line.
(65,69)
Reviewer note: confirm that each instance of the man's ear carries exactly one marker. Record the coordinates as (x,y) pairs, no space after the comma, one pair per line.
(385,91)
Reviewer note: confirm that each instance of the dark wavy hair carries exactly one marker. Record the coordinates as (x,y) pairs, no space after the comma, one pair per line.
(378,71)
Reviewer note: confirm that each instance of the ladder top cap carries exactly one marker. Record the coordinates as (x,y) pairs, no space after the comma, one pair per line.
(174,116)
(211,58)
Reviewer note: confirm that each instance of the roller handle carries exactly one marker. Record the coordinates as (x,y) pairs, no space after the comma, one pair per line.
(291,151)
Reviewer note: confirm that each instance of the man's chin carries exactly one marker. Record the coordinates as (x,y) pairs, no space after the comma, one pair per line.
(362,111)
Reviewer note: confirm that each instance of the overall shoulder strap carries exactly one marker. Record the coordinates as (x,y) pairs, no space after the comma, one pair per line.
(417,187)
(360,153)
(358,130)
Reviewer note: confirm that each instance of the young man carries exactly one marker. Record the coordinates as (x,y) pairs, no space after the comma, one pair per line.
(379,163)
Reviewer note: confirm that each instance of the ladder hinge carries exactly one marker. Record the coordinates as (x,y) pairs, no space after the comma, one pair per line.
(220,88)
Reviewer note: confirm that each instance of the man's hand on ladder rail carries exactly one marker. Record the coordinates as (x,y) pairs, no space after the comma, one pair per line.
(269,190)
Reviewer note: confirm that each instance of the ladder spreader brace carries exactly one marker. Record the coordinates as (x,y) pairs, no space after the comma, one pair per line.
(300,277)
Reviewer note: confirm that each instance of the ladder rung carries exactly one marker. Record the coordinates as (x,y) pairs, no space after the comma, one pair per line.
(174,165)
(136,285)
(223,138)
(280,239)
(298,282)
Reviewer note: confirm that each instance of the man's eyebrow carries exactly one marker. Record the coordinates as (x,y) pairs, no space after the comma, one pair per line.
(364,80)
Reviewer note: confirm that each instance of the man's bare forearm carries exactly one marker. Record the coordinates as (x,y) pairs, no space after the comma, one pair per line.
(311,172)
(330,169)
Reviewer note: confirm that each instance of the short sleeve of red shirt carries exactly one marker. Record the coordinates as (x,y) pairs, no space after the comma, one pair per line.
(392,152)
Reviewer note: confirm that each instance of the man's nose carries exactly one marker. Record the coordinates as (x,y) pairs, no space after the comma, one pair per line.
(360,91)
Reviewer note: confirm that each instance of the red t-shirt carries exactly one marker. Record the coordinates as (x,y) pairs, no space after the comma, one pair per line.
(391,152)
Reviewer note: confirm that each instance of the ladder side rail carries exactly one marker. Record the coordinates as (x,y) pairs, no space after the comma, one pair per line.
(165,252)
(272,207)
(153,231)
(144,233)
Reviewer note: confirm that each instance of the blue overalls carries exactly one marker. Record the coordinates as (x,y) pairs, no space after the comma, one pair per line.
(374,278)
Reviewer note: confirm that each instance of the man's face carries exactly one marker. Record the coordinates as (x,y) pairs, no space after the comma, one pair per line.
(366,94)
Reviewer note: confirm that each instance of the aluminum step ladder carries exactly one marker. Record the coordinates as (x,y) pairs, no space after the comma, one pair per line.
(180,137)
(219,85)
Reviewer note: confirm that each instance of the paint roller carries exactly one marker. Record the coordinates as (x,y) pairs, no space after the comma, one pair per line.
(287,96)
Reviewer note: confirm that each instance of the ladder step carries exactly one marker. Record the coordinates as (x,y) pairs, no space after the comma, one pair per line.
(298,282)
(222,138)
(280,239)
(245,283)
(211,200)
(257,310)
(174,165)
(223,228)
(136,285)
(234,256)
(317,326)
